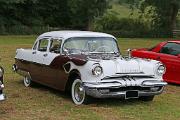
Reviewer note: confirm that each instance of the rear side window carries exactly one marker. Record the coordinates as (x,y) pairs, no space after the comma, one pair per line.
(55,46)
(43,44)
(171,49)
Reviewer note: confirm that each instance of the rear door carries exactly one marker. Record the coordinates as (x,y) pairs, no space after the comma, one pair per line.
(39,52)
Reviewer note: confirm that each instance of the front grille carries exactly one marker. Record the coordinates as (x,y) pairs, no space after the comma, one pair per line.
(128,75)
(125,80)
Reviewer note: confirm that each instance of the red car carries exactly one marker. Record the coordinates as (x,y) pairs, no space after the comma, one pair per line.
(166,52)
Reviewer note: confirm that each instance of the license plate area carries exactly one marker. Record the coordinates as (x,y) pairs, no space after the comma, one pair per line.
(132,94)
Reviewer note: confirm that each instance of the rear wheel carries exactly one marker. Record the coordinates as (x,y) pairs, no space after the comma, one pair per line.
(78,93)
(147,98)
(27,81)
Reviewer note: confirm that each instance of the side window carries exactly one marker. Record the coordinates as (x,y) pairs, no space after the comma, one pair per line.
(43,44)
(55,46)
(171,49)
(35,46)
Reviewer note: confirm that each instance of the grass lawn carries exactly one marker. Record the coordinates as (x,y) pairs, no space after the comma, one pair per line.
(43,103)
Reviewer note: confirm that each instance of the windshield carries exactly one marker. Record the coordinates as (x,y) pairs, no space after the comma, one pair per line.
(90,45)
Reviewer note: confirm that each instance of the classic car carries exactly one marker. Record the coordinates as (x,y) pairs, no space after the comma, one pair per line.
(2,96)
(169,54)
(88,64)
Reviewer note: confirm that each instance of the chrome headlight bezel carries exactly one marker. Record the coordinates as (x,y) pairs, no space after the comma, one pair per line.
(97,70)
(161,69)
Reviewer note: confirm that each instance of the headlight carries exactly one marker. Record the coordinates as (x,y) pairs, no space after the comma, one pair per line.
(1,71)
(161,69)
(97,70)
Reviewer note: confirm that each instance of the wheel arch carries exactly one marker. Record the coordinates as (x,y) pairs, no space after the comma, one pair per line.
(73,74)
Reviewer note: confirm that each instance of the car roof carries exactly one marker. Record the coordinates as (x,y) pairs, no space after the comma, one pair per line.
(175,41)
(70,34)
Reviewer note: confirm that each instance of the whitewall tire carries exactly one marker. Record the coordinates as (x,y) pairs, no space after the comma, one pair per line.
(78,93)
(27,81)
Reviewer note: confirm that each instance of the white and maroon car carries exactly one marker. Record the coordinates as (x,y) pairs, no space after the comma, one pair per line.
(88,64)
(2,96)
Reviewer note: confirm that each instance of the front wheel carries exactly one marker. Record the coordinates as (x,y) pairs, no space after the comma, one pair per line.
(78,93)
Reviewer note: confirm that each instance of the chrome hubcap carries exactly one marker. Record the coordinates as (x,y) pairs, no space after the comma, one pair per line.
(79,92)
(27,80)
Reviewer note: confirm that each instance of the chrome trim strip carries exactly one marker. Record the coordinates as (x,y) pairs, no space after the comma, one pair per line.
(103,85)
(128,76)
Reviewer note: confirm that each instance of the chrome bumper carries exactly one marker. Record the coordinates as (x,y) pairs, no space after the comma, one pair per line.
(118,90)
(2,97)
(1,86)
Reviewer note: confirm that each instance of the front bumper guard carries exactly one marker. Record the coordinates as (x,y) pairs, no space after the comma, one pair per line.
(95,90)
(1,86)
(2,96)
(153,83)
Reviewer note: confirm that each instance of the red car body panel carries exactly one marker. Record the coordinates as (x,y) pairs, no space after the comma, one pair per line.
(172,62)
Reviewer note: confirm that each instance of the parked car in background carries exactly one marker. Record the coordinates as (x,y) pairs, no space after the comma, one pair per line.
(166,52)
(2,96)
(88,64)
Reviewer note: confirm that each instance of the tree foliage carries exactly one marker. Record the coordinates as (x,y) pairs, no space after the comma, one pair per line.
(54,13)
(163,13)
(83,12)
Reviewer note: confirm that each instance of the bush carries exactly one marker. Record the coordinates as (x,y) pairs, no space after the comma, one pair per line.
(25,30)
(124,27)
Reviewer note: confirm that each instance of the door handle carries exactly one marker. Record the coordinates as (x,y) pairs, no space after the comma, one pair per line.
(34,52)
(45,55)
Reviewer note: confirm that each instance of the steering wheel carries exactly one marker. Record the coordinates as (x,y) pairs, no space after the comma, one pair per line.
(105,48)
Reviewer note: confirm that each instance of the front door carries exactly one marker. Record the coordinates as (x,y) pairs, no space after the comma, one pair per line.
(54,74)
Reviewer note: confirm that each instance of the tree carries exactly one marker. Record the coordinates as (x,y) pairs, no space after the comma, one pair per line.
(76,14)
(164,13)
(83,12)
(16,12)
(54,12)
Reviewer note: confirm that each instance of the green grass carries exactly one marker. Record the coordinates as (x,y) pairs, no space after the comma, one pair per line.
(42,103)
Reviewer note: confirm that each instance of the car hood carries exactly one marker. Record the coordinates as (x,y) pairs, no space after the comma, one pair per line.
(118,66)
